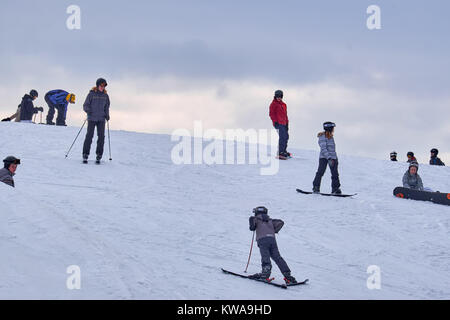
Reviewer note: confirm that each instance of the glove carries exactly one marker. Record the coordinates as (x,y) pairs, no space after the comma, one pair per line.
(107,117)
(331,162)
(252,224)
(276,125)
(6,119)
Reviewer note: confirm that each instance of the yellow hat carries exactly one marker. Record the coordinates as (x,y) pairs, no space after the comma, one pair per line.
(70,98)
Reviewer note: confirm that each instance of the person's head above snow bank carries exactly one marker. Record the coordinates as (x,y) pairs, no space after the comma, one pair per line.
(9,169)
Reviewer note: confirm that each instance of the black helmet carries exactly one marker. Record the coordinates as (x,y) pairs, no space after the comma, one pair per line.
(435,151)
(260,210)
(279,94)
(34,93)
(101,81)
(410,154)
(328,126)
(10,160)
(393,154)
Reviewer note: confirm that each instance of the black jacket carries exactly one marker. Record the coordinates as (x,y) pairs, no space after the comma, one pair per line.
(436,162)
(27,108)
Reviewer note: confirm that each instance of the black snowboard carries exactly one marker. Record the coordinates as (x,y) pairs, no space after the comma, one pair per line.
(436,197)
(327,194)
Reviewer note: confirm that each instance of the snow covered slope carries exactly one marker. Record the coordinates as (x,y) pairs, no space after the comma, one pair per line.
(140,227)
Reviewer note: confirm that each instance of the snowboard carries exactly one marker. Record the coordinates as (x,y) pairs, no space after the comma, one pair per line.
(435,197)
(279,285)
(327,194)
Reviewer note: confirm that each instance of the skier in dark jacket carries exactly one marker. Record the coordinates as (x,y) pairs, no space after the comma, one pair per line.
(394,156)
(97,108)
(280,121)
(411,157)
(411,178)
(27,109)
(265,229)
(328,157)
(435,161)
(8,171)
(58,99)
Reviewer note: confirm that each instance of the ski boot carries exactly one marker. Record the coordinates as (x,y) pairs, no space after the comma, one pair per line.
(85,158)
(336,191)
(50,123)
(282,156)
(288,278)
(316,189)
(264,275)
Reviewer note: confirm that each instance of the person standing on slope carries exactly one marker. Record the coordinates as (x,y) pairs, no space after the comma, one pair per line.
(435,161)
(58,99)
(278,115)
(8,171)
(328,157)
(411,178)
(411,157)
(27,109)
(265,229)
(97,108)
(394,156)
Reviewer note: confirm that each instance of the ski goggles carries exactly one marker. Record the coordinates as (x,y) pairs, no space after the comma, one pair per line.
(260,210)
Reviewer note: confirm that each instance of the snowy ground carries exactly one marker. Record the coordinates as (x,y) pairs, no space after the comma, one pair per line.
(140,227)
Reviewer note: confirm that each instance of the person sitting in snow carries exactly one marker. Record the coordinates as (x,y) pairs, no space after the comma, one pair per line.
(15,116)
(411,178)
(435,161)
(8,172)
(265,229)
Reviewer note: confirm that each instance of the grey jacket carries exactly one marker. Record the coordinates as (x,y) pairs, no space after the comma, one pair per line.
(265,226)
(412,181)
(327,147)
(97,105)
(6,177)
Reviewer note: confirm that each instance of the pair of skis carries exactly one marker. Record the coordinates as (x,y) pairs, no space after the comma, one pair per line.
(270,282)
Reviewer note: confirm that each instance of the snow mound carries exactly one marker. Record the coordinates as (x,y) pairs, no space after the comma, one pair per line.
(140,227)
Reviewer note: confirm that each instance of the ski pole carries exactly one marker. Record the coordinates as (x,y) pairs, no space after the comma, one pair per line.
(34,119)
(76,138)
(41,118)
(109,142)
(250,254)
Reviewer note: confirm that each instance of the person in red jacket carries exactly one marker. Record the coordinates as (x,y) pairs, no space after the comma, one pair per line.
(278,114)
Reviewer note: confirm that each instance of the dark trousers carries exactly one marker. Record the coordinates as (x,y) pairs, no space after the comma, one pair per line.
(100,137)
(269,249)
(283,137)
(335,184)
(61,118)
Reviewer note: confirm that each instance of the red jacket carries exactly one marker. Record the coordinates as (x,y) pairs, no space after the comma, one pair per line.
(278,112)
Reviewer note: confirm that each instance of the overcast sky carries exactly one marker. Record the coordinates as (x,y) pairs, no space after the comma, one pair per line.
(169,63)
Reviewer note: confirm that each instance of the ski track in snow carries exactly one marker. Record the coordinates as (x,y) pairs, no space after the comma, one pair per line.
(141,227)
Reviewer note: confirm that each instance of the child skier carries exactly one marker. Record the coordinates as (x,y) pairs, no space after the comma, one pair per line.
(265,229)
(328,157)
(411,179)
